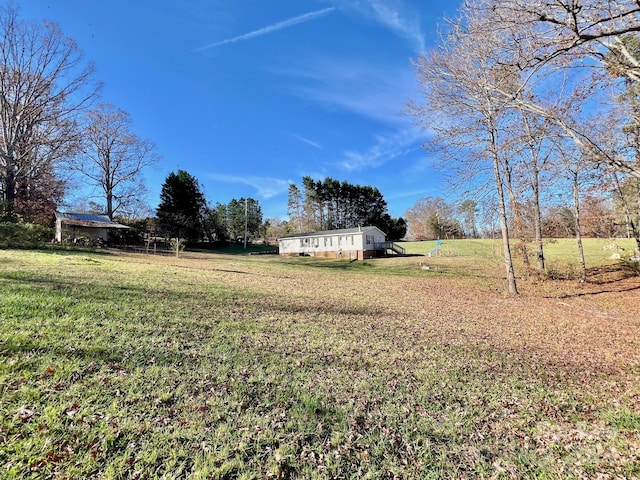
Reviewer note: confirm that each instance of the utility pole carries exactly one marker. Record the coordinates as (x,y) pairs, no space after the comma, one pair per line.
(245,224)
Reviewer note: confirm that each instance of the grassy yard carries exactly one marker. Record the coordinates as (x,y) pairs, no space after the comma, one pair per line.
(117,366)
(561,254)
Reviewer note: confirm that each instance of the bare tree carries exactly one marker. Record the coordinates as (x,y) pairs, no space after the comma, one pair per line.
(571,30)
(545,37)
(430,218)
(458,84)
(534,147)
(581,172)
(113,158)
(626,113)
(624,188)
(44,85)
(534,139)
(574,171)
(510,163)
(621,193)
(468,209)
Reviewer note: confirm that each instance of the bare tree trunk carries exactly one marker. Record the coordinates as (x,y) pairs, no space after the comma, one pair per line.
(576,214)
(535,135)
(504,221)
(638,198)
(109,198)
(508,261)
(9,189)
(108,184)
(538,224)
(518,223)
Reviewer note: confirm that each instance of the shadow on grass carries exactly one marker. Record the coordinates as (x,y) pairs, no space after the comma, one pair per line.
(75,285)
(72,250)
(619,272)
(600,292)
(204,304)
(324,263)
(345,264)
(94,353)
(614,277)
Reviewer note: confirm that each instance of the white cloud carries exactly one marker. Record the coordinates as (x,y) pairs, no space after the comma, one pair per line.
(385,149)
(399,22)
(366,90)
(393,15)
(271,28)
(413,194)
(266,187)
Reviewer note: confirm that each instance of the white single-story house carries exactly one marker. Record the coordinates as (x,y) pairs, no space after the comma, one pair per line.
(71,226)
(351,243)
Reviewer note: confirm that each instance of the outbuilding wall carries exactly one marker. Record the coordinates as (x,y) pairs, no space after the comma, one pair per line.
(73,231)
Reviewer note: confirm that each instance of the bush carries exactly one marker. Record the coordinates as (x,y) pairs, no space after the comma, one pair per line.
(24,235)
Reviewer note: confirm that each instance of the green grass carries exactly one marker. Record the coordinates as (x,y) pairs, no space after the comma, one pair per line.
(484,257)
(139,367)
(556,250)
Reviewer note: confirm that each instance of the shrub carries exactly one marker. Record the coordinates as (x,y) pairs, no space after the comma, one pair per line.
(24,235)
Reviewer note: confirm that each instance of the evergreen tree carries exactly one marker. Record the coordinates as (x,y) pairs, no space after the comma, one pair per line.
(329,204)
(396,229)
(181,208)
(214,223)
(294,208)
(240,211)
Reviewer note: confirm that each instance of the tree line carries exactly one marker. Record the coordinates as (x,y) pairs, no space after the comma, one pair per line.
(184,213)
(330,204)
(528,100)
(433,218)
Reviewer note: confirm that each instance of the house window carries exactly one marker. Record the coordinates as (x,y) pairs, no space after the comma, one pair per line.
(302,242)
(351,239)
(331,241)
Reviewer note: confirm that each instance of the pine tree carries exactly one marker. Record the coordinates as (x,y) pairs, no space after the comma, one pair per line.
(181,208)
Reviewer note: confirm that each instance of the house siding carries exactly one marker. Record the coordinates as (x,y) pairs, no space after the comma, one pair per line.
(349,244)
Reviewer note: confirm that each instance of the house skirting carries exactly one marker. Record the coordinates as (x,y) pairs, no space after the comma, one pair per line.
(350,255)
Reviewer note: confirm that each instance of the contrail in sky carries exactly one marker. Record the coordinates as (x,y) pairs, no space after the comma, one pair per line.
(271,28)
(307,141)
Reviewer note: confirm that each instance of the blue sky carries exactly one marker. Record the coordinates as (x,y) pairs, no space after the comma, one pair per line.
(251,95)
